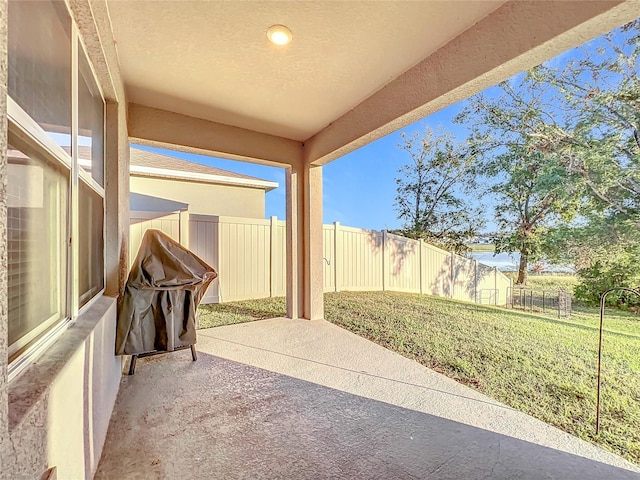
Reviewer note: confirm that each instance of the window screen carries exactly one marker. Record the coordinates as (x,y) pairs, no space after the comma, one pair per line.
(37,205)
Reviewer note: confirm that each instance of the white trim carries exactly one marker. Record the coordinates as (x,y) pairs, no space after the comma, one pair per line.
(30,127)
(25,359)
(147,215)
(93,300)
(90,181)
(73,288)
(165,172)
(28,337)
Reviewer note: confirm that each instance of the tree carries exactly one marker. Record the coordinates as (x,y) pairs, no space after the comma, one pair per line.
(582,115)
(600,142)
(532,189)
(612,261)
(600,139)
(430,193)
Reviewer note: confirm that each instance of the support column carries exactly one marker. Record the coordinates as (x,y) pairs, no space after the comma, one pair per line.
(116,188)
(4,300)
(304,243)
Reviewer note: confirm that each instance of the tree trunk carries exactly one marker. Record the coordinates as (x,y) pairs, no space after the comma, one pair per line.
(522,269)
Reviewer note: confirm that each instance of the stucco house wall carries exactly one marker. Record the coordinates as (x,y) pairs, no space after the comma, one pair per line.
(203,198)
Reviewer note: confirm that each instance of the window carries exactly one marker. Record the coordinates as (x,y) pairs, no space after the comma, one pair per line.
(90,121)
(40,64)
(91,243)
(91,160)
(36,242)
(55,175)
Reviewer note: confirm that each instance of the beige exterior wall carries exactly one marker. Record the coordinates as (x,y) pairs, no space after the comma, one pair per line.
(204,198)
(59,409)
(56,411)
(4,300)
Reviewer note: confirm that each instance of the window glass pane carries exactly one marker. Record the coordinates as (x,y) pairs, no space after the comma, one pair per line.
(90,121)
(37,232)
(91,215)
(40,64)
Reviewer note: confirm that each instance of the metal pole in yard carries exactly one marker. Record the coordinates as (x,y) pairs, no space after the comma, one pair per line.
(542,301)
(602,300)
(531,301)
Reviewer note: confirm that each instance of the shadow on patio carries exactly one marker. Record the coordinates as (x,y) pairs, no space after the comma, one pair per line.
(297,399)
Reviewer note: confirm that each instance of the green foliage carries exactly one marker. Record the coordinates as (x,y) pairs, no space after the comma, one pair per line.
(533,189)
(429,191)
(611,266)
(600,139)
(560,146)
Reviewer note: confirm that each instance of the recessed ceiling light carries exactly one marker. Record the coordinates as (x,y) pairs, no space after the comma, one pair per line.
(279,34)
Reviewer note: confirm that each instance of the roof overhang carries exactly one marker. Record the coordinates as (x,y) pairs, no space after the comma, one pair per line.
(140,171)
(202,77)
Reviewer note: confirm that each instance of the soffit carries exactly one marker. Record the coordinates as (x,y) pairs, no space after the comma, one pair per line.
(212,59)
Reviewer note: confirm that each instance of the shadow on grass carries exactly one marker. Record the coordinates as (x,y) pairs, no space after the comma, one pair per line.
(239,312)
(250,310)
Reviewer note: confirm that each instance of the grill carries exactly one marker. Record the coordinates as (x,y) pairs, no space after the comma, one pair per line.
(159,307)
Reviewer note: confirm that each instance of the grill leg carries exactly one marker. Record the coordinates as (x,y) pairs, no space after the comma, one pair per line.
(132,365)
(194,355)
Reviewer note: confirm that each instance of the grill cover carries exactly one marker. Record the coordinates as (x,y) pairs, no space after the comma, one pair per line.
(164,288)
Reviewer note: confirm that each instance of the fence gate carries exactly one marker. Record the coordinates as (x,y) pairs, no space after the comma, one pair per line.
(541,301)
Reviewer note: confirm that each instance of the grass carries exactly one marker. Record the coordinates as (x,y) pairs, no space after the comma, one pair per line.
(553,282)
(481,247)
(542,366)
(548,282)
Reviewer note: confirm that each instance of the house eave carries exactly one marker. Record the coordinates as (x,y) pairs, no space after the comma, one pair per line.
(140,171)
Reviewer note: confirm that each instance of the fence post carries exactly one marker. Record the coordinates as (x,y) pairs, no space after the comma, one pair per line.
(495,286)
(452,280)
(475,281)
(183,228)
(217,255)
(384,254)
(421,244)
(336,229)
(273,225)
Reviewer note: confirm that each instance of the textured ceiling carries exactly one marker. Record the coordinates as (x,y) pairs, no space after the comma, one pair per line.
(212,59)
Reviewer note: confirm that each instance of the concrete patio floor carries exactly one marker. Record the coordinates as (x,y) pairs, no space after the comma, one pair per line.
(308,400)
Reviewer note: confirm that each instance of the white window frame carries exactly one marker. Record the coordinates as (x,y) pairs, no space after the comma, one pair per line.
(26,128)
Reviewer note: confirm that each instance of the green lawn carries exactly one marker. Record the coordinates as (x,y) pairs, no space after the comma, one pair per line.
(540,365)
(481,247)
(548,282)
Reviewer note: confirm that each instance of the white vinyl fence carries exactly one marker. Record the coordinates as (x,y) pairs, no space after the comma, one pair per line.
(250,254)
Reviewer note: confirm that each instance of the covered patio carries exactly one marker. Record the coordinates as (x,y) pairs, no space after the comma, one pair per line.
(294,397)
(288,398)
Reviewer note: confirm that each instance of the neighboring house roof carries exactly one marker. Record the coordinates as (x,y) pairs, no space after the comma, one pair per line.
(149,164)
